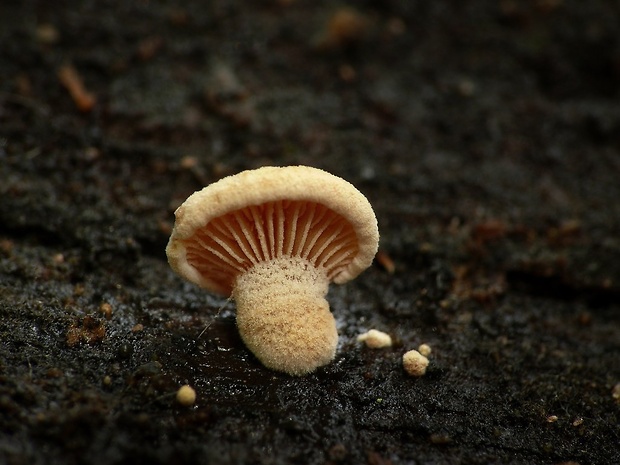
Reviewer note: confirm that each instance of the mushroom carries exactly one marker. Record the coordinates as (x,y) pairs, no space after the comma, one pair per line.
(274,238)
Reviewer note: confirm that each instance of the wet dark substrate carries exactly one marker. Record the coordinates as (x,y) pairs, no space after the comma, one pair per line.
(485,134)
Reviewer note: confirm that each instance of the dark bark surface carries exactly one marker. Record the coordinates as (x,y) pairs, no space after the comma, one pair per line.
(486,134)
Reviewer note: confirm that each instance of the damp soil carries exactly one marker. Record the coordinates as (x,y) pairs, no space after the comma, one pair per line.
(486,134)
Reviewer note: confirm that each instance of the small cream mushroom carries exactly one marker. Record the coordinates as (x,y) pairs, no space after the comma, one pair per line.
(415,363)
(375,339)
(274,238)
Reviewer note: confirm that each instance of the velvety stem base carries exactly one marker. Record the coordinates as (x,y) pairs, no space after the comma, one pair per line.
(283,317)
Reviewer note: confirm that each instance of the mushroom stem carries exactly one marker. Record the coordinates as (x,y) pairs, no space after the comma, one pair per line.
(283,317)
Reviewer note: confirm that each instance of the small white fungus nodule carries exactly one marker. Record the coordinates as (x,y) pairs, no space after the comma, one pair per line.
(415,363)
(186,396)
(375,339)
(425,349)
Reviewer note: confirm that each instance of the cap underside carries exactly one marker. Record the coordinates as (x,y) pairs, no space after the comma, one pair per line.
(270,212)
(233,243)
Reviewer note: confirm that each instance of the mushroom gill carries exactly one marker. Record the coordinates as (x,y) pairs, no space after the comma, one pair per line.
(235,242)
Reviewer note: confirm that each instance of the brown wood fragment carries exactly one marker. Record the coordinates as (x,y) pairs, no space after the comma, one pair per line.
(89,330)
(489,230)
(385,261)
(84,100)
(344,27)
(148,47)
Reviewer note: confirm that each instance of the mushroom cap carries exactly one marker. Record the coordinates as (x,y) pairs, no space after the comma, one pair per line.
(270,212)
